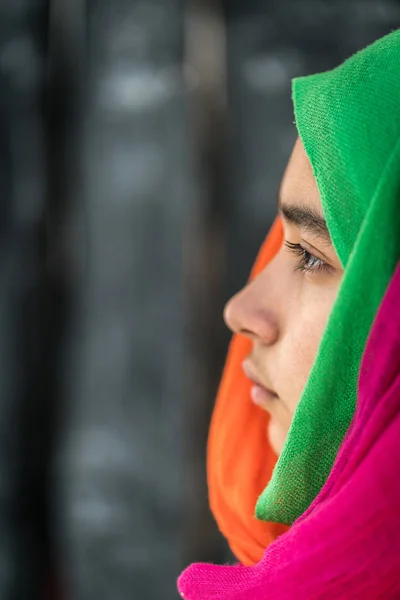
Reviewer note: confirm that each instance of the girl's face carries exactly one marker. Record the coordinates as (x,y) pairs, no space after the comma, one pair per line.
(285,309)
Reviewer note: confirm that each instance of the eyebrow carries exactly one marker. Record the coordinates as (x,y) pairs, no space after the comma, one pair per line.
(305,218)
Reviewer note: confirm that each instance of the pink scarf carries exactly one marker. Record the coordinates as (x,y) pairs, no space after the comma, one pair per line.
(347,544)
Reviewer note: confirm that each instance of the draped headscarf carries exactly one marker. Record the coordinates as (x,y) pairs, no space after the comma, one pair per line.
(346,537)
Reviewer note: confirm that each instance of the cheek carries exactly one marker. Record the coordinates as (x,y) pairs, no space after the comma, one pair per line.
(305,326)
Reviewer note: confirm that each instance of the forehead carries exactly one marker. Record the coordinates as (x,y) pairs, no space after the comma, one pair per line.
(298,184)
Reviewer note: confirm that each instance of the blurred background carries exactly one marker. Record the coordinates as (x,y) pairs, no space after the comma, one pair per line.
(142,143)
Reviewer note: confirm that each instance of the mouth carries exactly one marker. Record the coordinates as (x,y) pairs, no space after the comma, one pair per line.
(260,394)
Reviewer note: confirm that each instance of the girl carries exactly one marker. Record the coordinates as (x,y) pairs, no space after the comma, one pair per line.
(309,403)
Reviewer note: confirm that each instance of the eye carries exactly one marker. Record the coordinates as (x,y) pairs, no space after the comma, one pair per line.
(308,262)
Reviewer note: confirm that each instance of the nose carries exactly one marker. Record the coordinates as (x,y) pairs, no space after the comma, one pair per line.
(251,313)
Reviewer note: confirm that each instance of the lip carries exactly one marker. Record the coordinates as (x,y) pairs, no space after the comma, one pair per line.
(260,394)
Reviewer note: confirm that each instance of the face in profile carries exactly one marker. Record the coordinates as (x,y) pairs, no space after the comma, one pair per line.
(285,309)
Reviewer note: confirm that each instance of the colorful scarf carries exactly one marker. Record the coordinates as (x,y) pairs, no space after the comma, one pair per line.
(348,539)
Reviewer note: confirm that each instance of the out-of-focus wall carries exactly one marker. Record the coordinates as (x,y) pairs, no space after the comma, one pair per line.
(142,143)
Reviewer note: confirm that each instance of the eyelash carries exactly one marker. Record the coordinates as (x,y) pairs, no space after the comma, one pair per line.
(308,262)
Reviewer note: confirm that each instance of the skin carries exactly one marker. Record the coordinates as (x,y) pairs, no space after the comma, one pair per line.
(285,309)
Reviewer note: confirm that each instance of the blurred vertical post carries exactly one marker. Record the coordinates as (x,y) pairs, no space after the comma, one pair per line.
(29,327)
(63,228)
(205,266)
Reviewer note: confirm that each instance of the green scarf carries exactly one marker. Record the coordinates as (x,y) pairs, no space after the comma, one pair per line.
(349,122)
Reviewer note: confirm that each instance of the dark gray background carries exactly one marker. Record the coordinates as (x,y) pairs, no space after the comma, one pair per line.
(141,148)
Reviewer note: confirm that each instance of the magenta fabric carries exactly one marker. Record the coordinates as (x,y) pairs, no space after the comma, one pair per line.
(347,544)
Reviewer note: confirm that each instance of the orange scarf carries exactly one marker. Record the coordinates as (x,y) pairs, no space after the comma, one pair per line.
(240,461)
